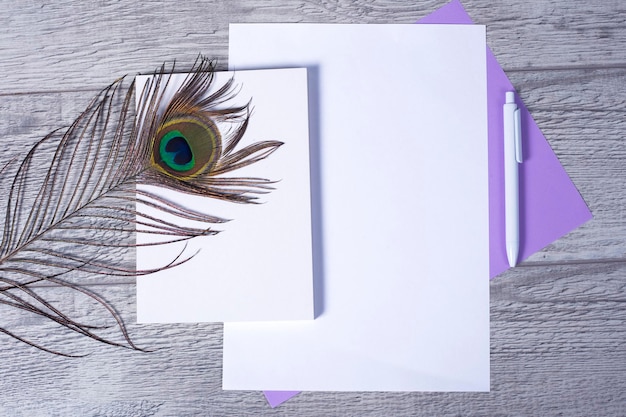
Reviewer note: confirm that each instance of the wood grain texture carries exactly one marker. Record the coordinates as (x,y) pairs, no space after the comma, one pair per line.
(558,322)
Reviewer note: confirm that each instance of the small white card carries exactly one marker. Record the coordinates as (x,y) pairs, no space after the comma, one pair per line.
(404,254)
(259,266)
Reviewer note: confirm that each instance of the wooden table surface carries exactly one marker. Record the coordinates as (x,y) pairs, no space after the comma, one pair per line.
(558,321)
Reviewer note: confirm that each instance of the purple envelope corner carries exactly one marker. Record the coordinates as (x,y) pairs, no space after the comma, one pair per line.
(452,13)
(276,398)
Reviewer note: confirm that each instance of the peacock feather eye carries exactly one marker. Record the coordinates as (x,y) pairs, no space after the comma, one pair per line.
(186,146)
(176,152)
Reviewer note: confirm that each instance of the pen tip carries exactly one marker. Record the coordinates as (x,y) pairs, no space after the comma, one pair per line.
(511,254)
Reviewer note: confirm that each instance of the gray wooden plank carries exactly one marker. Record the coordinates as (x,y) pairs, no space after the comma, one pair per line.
(74,45)
(580,113)
(558,347)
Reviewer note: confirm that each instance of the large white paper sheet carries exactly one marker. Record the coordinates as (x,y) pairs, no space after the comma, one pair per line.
(403,252)
(259,266)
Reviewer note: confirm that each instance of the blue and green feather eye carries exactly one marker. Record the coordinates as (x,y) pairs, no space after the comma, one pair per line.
(176,152)
(186,146)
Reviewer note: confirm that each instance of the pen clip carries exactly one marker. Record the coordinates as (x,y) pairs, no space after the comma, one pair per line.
(518,136)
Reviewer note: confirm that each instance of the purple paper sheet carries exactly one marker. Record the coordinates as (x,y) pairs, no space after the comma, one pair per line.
(276,398)
(550,205)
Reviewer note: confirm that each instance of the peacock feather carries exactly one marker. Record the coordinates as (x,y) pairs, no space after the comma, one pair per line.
(72,201)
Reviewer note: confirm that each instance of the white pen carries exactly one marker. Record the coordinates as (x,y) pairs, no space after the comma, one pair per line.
(512,157)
